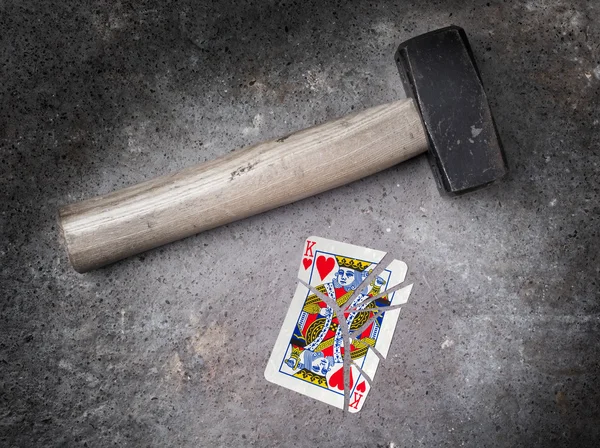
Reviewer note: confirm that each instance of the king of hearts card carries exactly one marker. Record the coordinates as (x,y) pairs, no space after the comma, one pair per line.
(309,353)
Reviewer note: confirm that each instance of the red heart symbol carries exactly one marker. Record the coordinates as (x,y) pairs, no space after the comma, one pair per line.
(325,266)
(306,262)
(337,379)
(361,387)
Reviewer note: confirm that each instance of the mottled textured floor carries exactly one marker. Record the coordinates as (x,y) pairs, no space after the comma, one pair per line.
(500,344)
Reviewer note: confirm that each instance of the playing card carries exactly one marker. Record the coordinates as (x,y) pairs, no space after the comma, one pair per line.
(309,354)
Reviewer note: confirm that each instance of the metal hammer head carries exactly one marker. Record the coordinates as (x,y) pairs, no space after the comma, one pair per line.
(439,72)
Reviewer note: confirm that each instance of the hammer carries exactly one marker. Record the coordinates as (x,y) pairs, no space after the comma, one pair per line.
(446,112)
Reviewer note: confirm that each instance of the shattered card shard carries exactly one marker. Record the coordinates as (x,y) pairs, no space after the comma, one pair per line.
(338,279)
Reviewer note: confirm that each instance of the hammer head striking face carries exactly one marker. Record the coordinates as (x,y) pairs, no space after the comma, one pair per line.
(439,72)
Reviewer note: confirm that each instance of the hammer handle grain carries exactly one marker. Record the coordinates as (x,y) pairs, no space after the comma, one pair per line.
(109,228)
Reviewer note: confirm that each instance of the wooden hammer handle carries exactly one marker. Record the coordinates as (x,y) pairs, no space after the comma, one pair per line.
(108,228)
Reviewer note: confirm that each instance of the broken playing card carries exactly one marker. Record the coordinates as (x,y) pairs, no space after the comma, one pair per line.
(338,279)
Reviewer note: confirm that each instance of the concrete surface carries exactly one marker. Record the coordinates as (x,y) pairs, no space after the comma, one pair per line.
(500,345)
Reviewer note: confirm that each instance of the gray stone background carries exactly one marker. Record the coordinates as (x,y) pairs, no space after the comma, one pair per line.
(500,343)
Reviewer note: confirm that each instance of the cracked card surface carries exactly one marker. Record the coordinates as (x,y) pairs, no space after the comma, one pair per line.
(338,279)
